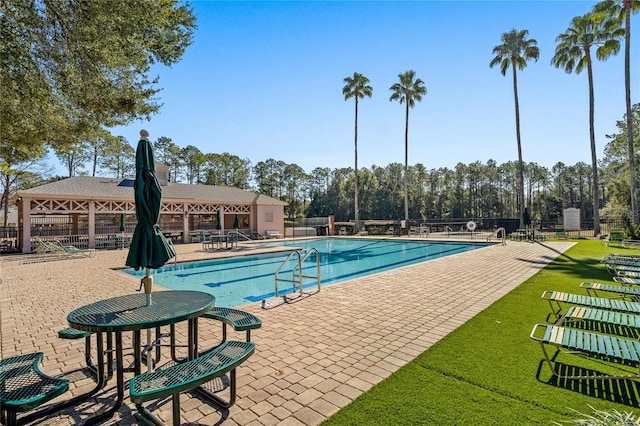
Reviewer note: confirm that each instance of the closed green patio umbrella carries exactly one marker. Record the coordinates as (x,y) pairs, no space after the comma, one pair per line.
(236,222)
(149,248)
(526,218)
(218,220)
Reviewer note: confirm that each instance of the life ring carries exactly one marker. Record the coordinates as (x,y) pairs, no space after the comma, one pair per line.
(471,226)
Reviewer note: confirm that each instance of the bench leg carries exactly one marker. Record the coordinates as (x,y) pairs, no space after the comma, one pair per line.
(216,399)
(149,417)
(11,418)
(176,409)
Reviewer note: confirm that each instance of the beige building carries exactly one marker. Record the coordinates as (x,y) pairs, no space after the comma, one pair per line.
(90,210)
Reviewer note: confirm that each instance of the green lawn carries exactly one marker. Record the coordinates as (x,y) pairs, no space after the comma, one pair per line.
(489,371)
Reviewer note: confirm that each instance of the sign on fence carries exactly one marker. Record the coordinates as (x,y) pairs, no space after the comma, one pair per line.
(572,219)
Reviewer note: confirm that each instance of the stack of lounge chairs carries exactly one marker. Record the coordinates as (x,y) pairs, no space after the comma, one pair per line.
(604,324)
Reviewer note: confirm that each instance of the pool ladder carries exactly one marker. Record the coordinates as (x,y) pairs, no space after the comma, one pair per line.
(500,234)
(297,275)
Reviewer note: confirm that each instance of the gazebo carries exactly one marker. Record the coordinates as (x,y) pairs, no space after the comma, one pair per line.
(88,210)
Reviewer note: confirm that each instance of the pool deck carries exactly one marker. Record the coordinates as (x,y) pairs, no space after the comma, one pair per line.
(312,356)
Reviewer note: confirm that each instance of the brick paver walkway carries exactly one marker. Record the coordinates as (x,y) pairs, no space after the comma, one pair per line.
(313,356)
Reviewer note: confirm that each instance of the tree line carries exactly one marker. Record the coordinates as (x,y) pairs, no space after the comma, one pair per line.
(476,190)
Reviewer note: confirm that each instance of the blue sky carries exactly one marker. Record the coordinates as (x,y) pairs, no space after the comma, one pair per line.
(264,80)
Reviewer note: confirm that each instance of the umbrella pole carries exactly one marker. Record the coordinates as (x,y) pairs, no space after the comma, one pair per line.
(148,285)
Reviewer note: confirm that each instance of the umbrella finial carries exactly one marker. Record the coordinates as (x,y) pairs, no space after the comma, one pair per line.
(144,134)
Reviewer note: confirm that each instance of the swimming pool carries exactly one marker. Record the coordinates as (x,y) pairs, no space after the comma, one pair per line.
(239,280)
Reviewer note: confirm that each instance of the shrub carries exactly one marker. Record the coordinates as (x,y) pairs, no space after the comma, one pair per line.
(605,418)
(632,232)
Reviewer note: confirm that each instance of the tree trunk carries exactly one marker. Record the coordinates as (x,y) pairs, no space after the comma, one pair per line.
(5,201)
(355,197)
(520,164)
(594,158)
(406,163)
(627,85)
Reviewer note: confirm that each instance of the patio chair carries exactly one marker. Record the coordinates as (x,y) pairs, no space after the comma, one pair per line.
(580,342)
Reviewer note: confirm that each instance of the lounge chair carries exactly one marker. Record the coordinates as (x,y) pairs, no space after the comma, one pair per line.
(627,280)
(57,248)
(631,244)
(272,234)
(621,261)
(621,269)
(45,247)
(630,274)
(620,256)
(72,250)
(616,236)
(586,343)
(610,318)
(621,290)
(557,298)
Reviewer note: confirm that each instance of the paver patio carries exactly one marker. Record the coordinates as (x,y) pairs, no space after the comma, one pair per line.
(312,357)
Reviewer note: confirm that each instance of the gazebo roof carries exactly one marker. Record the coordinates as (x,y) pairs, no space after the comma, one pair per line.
(99,188)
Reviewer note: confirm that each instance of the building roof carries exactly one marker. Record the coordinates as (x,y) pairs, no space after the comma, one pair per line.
(97,188)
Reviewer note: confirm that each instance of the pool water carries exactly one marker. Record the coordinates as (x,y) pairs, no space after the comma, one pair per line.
(244,279)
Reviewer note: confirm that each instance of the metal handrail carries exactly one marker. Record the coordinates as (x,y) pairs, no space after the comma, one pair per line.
(240,234)
(175,258)
(276,278)
(297,276)
(496,233)
(311,251)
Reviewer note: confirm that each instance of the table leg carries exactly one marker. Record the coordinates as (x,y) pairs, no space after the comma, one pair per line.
(120,386)
(193,338)
(137,353)
(109,355)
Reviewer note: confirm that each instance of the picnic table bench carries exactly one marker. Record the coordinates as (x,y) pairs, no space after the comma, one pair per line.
(188,375)
(239,320)
(23,387)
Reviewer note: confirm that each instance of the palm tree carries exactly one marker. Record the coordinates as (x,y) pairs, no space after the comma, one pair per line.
(409,90)
(573,53)
(618,11)
(515,51)
(356,87)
